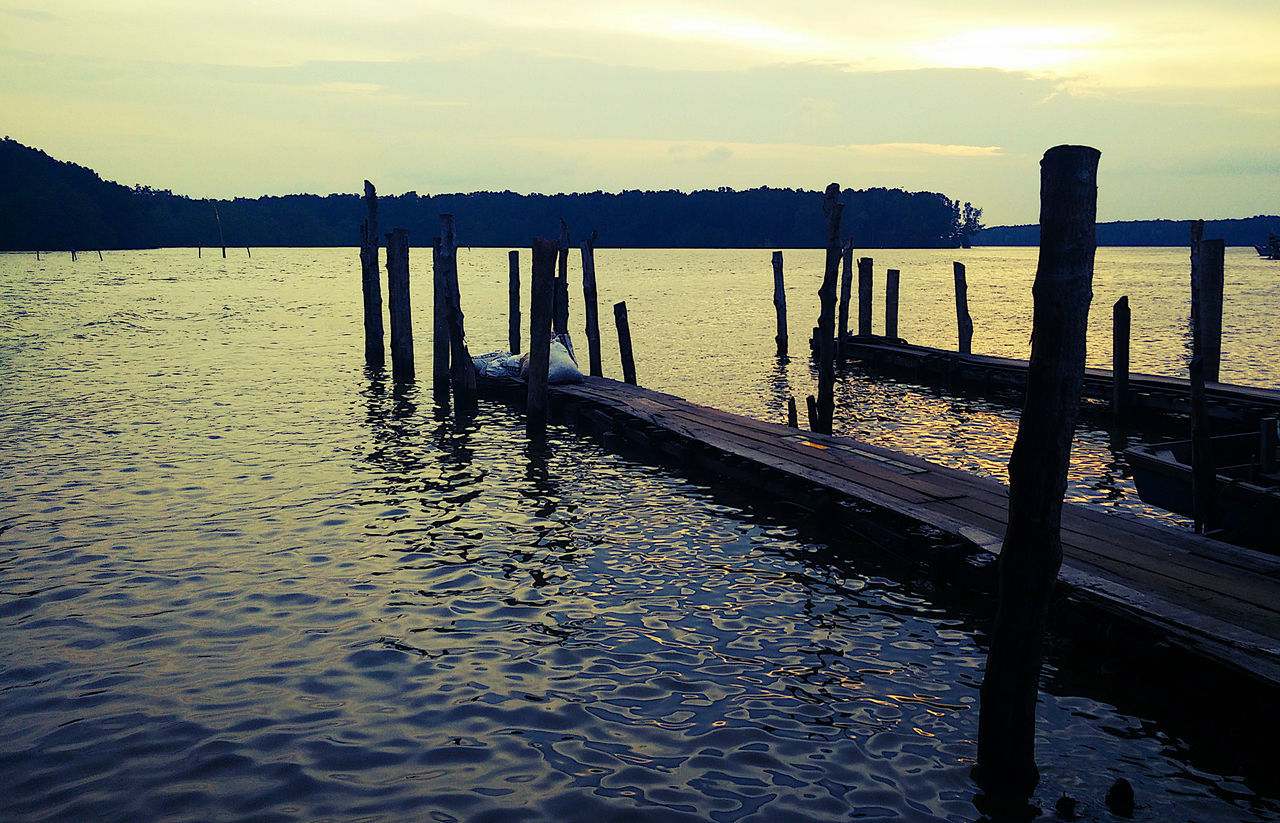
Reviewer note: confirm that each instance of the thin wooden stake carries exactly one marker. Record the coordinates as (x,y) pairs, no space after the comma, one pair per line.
(541,307)
(439,326)
(831,209)
(624,342)
(811,406)
(780,304)
(864,296)
(891,304)
(1120,323)
(398,296)
(846,294)
(513,301)
(793,416)
(221,239)
(561,318)
(590,309)
(374,354)
(964,323)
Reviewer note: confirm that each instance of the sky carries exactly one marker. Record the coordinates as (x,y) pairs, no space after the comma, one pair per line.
(252,97)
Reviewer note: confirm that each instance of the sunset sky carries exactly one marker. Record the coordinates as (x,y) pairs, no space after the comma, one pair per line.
(283,96)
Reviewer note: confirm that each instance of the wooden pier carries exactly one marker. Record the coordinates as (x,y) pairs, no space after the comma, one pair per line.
(1147,393)
(1214,601)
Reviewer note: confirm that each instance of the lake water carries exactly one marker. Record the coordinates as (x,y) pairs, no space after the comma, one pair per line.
(241,578)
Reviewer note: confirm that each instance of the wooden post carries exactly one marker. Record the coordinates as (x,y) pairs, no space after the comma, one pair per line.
(398,297)
(780,304)
(462,369)
(1206,305)
(831,209)
(37,255)
(374,354)
(560,320)
(590,307)
(73,255)
(1120,362)
(223,240)
(541,307)
(891,304)
(99,254)
(811,406)
(793,416)
(513,301)
(964,322)
(439,326)
(864,295)
(1032,551)
(1205,255)
(846,293)
(624,342)
(1267,438)
(246,251)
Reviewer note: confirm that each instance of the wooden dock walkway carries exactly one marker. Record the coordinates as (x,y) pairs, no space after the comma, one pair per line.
(1227,402)
(1218,602)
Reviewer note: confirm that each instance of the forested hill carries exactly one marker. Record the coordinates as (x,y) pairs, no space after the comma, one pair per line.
(47,204)
(1247,231)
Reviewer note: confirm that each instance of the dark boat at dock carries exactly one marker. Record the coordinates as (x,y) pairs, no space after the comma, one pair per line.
(1248,483)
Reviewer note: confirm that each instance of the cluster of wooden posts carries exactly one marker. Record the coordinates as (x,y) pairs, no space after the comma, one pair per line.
(453,370)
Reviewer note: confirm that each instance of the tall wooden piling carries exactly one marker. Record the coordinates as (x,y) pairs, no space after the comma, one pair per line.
(513,301)
(439,326)
(780,304)
(1206,304)
(831,209)
(374,354)
(397,243)
(864,295)
(846,295)
(624,342)
(1206,256)
(462,369)
(1032,551)
(590,305)
(891,303)
(1120,362)
(541,307)
(560,320)
(964,323)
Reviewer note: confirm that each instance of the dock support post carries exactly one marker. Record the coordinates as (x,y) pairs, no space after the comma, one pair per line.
(1206,303)
(793,415)
(831,209)
(1120,362)
(439,327)
(374,354)
(590,307)
(780,304)
(865,287)
(811,403)
(462,369)
(964,323)
(1267,439)
(1206,255)
(891,304)
(846,296)
(624,342)
(541,307)
(398,297)
(560,320)
(1032,552)
(513,301)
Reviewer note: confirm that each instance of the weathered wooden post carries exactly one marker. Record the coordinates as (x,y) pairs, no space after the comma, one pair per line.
(1205,256)
(964,323)
(541,307)
(793,415)
(811,407)
(846,294)
(560,320)
(624,342)
(1206,304)
(780,304)
(439,326)
(397,242)
(864,295)
(513,301)
(374,354)
(1032,552)
(831,209)
(891,304)
(1120,362)
(590,309)
(462,369)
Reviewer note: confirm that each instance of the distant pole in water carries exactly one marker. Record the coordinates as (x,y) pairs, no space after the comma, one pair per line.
(374,354)
(560,321)
(1120,323)
(398,296)
(864,295)
(1206,264)
(624,342)
(780,304)
(513,301)
(73,255)
(964,323)
(99,254)
(199,252)
(246,251)
(590,307)
(541,307)
(846,295)
(221,239)
(37,255)
(891,304)
(1032,552)
(831,209)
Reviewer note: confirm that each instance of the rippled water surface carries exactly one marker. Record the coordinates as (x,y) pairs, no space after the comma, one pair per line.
(241,578)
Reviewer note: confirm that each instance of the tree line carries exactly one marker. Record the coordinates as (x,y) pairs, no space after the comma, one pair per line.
(48,204)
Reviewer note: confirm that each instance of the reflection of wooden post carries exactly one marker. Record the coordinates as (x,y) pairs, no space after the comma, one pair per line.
(624,342)
(831,209)
(1120,362)
(369,280)
(541,307)
(864,295)
(1206,255)
(398,297)
(462,369)
(780,304)
(560,319)
(891,304)
(1032,551)
(846,294)
(964,322)
(513,302)
(590,309)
